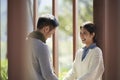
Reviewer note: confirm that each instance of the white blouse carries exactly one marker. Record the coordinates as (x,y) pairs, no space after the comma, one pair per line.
(91,68)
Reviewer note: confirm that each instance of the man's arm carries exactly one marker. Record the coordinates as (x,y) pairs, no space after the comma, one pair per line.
(43,59)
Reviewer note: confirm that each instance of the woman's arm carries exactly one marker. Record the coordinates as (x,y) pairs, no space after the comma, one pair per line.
(71,75)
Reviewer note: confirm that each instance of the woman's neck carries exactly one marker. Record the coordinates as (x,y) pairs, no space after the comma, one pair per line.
(87,45)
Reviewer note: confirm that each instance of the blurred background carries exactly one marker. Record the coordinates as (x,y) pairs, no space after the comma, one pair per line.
(65,32)
(106,17)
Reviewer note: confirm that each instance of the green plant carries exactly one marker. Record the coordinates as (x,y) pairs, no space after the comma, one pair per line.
(63,73)
(4,68)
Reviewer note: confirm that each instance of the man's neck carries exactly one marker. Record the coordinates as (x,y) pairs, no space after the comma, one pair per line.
(41,31)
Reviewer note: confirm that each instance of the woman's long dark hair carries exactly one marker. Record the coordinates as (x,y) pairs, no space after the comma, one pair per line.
(90,27)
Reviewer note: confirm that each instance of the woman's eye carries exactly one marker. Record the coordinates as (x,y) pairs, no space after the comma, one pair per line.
(84,32)
(80,32)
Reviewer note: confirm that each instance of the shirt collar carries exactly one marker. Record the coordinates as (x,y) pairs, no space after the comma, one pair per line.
(37,35)
(86,49)
(90,47)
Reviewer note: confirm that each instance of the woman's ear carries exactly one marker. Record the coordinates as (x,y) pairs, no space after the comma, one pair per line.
(93,34)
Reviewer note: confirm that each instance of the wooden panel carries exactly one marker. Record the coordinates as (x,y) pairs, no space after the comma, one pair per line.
(55,38)
(17,25)
(75,28)
(106,17)
(35,14)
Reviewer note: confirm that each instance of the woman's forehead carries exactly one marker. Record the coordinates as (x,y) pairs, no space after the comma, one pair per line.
(83,29)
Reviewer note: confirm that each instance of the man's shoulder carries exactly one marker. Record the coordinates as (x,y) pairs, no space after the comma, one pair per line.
(38,46)
(35,43)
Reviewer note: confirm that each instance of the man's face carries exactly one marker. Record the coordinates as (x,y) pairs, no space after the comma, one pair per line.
(48,32)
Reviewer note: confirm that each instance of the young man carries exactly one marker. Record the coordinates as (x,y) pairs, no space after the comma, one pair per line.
(46,26)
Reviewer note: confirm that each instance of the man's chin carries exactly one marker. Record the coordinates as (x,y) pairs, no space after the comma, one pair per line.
(49,37)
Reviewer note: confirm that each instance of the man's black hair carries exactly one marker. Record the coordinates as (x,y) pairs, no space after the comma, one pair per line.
(47,21)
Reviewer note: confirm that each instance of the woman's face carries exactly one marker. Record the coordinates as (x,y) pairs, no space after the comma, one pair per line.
(86,37)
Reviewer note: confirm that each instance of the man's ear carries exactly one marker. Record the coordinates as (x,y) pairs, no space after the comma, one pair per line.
(46,29)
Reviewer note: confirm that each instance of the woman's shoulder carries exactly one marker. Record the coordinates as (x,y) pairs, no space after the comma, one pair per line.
(98,50)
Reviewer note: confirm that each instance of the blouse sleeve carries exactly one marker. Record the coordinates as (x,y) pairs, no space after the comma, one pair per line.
(96,67)
(71,75)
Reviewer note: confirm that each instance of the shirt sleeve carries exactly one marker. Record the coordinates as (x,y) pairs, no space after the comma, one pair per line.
(44,63)
(96,67)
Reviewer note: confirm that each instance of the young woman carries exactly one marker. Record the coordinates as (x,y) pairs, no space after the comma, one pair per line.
(88,63)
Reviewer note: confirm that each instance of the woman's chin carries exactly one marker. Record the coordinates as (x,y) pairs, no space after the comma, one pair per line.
(83,42)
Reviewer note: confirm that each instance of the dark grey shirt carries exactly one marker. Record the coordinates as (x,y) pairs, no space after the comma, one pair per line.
(40,59)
